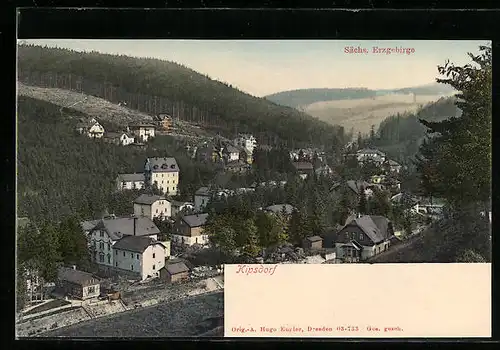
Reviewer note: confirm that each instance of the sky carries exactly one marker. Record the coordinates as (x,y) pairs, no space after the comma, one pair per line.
(262,67)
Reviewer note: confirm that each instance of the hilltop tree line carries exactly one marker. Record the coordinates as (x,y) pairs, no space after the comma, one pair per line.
(61,173)
(153,86)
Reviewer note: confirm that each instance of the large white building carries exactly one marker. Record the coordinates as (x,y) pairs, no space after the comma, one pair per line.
(139,255)
(152,206)
(130,181)
(107,232)
(164,173)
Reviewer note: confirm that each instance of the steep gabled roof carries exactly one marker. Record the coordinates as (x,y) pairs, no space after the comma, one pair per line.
(195,220)
(76,276)
(163,164)
(136,244)
(148,199)
(135,177)
(374,227)
(203,191)
(119,227)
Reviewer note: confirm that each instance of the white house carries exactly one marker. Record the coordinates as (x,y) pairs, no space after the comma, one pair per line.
(130,181)
(231,153)
(247,141)
(164,173)
(152,206)
(107,232)
(143,132)
(118,138)
(394,167)
(90,128)
(368,154)
(425,207)
(201,198)
(178,206)
(140,256)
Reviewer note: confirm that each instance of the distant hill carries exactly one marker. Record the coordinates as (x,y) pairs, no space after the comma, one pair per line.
(152,86)
(305,97)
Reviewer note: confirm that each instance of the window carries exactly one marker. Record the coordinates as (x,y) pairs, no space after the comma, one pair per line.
(101,258)
(109,246)
(109,259)
(156,211)
(360,236)
(102,234)
(154,255)
(132,255)
(132,267)
(116,263)
(168,181)
(154,267)
(137,256)
(101,245)
(91,290)
(116,252)
(123,253)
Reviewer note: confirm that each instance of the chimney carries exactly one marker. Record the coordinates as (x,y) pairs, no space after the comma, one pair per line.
(135,224)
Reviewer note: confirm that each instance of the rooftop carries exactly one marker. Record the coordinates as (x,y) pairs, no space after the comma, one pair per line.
(136,244)
(195,220)
(303,165)
(203,191)
(314,238)
(148,199)
(176,268)
(162,164)
(76,276)
(375,227)
(124,226)
(135,177)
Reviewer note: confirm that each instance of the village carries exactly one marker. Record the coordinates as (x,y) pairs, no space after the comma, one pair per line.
(139,264)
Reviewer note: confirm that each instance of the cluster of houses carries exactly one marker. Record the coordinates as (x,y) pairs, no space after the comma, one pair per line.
(235,155)
(137,133)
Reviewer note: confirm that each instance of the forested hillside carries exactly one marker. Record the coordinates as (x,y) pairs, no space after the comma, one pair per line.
(304,97)
(61,173)
(153,86)
(401,135)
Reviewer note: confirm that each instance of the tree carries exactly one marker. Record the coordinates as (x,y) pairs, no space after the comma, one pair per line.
(49,252)
(372,134)
(362,204)
(379,204)
(220,232)
(299,226)
(456,160)
(72,247)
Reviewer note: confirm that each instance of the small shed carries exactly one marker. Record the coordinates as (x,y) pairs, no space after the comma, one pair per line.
(314,242)
(174,272)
